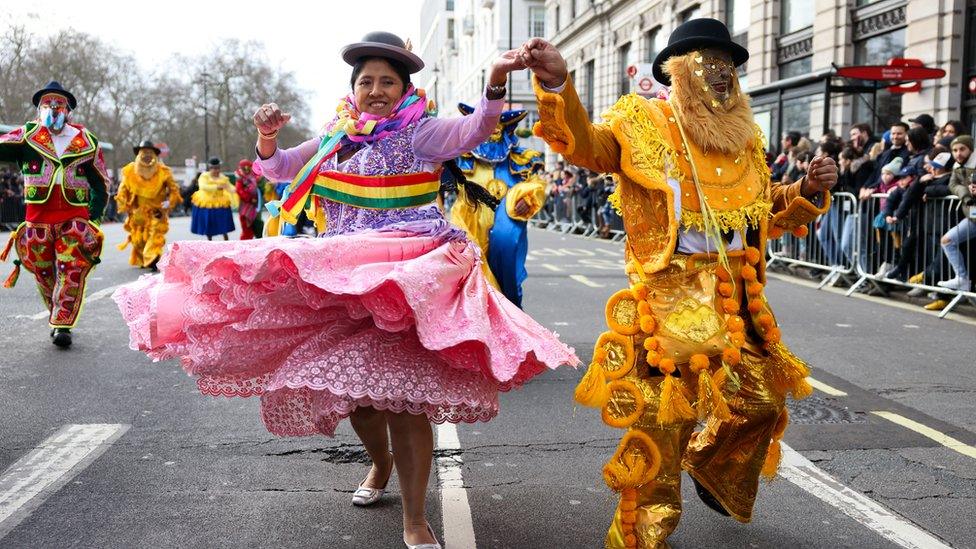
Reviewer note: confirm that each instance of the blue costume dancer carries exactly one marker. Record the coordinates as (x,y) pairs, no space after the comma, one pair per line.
(510,173)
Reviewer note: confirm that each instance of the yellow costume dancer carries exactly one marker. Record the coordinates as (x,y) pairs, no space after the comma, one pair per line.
(692,339)
(147,194)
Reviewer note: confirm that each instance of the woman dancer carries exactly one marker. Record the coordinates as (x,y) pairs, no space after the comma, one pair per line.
(386,320)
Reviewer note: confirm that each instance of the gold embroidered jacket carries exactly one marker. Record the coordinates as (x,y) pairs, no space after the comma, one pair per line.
(641,144)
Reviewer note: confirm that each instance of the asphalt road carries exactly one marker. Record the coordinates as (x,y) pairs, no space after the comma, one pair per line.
(172,468)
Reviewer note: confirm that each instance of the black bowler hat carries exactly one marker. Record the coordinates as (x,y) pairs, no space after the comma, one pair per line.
(926,121)
(146,144)
(214,162)
(54,87)
(698,34)
(382,44)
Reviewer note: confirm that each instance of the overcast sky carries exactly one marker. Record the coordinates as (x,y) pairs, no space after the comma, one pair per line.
(304,37)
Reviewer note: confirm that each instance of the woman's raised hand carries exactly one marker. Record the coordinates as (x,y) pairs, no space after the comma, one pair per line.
(504,64)
(545,61)
(268,119)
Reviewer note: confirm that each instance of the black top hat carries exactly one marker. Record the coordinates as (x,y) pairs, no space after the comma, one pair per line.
(54,87)
(213,162)
(382,44)
(146,144)
(698,34)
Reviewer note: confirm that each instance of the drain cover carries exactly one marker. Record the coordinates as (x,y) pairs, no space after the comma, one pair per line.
(814,410)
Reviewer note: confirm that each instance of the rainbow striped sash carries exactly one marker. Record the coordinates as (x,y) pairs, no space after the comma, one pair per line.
(378,192)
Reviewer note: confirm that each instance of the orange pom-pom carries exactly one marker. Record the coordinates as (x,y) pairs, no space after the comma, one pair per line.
(651,344)
(725,289)
(654,358)
(699,362)
(735,323)
(666,365)
(723,274)
(731,356)
(754,289)
(765,321)
(801,232)
(755,306)
(537,129)
(775,232)
(628,505)
(647,324)
(639,290)
(749,273)
(630,540)
(752,255)
(628,517)
(730,305)
(738,338)
(773,335)
(643,308)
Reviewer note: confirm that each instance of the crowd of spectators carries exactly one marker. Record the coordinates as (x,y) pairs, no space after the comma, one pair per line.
(894,179)
(11,199)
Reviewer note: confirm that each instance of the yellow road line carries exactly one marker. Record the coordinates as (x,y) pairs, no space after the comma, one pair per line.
(929,432)
(824,388)
(552,268)
(586,281)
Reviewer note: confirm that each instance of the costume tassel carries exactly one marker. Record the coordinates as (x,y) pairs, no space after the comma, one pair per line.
(628,517)
(592,390)
(789,372)
(674,406)
(14,275)
(775,452)
(124,244)
(710,399)
(10,244)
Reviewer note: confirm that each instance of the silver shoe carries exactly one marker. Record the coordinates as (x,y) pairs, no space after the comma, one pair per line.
(364,496)
(434,545)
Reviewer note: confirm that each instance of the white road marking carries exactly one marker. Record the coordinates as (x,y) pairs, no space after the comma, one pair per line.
(26,484)
(843,325)
(803,473)
(455,510)
(929,432)
(824,388)
(551,267)
(95,296)
(586,281)
(911,326)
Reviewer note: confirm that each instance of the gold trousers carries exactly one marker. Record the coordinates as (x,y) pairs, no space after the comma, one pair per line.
(725,456)
(147,228)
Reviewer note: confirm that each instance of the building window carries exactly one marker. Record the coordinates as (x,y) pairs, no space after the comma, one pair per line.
(656,41)
(737,19)
(877,50)
(450,28)
(559,23)
(796,67)
(537,21)
(449,5)
(589,94)
(572,10)
(796,15)
(624,61)
(693,12)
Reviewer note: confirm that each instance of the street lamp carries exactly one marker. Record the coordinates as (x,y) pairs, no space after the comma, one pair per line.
(204,77)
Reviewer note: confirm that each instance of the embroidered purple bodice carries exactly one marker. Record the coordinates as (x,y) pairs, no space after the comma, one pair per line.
(389,156)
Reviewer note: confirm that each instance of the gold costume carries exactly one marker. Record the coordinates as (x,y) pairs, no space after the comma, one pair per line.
(147,193)
(693,338)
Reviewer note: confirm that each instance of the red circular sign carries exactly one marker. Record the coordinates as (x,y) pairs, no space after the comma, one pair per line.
(631,71)
(645,84)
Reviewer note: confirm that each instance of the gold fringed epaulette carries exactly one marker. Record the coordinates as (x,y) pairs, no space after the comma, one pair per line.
(797,215)
(552,107)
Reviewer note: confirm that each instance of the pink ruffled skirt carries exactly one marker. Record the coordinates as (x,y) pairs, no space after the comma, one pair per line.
(393,319)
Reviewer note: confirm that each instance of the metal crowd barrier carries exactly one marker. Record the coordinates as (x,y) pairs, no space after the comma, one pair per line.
(562,214)
(892,254)
(851,241)
(826,246)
